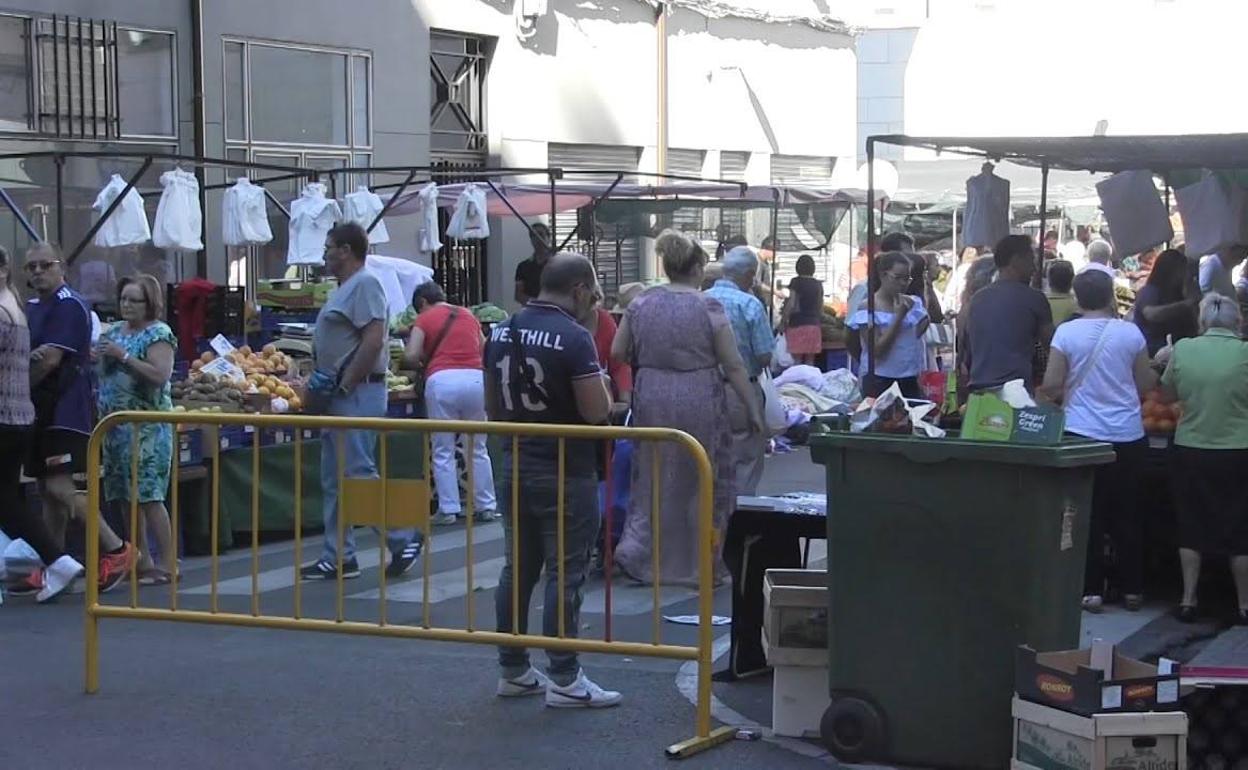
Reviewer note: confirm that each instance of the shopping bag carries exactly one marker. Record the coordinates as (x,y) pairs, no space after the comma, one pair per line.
(774,415)
(780,358)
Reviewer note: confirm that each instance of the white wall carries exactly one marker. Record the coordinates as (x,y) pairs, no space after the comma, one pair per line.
(588,76)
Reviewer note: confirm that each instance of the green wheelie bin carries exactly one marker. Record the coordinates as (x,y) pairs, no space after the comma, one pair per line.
(944,555)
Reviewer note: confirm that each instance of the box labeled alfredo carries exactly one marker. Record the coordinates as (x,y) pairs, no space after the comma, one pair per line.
(1097,680)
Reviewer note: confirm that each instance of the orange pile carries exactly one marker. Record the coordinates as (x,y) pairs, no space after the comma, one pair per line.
(1159,418)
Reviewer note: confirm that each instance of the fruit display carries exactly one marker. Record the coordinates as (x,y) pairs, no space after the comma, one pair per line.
(1159,418)
(269,360)
(398,383)
(207,393)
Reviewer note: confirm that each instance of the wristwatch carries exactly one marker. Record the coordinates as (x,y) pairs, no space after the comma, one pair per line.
(125,359)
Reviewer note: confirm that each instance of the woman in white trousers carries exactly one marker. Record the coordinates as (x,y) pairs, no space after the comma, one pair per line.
(447,341)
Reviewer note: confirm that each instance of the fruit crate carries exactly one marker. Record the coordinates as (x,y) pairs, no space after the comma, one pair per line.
(1051,739)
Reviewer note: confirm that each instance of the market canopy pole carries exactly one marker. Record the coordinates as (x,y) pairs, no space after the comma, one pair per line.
(870,255)
(411,175)
(1038,280)
(592,206)
(21,218)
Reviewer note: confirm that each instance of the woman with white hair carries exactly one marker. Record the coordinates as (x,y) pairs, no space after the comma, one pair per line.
(1209,375)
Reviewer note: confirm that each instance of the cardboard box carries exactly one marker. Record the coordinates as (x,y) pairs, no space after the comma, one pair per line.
(988,418)
(1050,739)
(1095,681)
(799,696)
(293,295)
(795,617)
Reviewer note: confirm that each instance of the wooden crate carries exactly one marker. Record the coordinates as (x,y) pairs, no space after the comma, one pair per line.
(1050,739)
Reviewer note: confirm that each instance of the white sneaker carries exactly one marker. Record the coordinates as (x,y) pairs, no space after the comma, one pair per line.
(581,694)
(59,576)
(533,682)
(443,519)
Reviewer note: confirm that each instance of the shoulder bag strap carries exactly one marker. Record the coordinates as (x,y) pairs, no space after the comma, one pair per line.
(521,379)
(446,329)
(1091,362)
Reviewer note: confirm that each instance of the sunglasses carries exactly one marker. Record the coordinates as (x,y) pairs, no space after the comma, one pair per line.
(39,267)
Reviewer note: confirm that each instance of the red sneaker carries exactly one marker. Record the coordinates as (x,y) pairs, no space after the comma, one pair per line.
(114,566)
(27,586)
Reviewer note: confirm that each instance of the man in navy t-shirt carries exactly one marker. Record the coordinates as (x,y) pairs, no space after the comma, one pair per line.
(541,367)
(60,378)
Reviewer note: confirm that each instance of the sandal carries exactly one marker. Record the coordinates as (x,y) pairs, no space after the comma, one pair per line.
(1093,604)
(155,577)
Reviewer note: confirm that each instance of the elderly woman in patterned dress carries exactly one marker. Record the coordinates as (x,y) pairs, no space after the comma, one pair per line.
(136,363)
(683,350)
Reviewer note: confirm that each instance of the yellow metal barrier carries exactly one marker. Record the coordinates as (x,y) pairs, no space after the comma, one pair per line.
(401,503)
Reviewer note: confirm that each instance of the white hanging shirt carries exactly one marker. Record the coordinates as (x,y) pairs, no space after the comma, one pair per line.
(128,224)
(312,215)
(178,216)
(399,277)
(244,215)
(362,207)
(987,218)
(427,229)
(1136,214)
(470,220)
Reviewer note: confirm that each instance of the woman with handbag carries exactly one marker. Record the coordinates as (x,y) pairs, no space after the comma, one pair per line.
(446,343)
(1097,370)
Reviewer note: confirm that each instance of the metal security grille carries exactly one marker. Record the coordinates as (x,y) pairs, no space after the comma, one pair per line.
(77,65)
(616,252)
(460,265)
(690,221)
(457,69)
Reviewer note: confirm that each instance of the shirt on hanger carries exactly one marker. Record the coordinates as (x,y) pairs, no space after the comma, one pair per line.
(312,215)
(987,218)
(362,207)
(244,215)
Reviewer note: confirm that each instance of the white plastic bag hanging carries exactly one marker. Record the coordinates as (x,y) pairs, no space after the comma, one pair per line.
(781,359)
(362,207)
(178,216)
(128,223)
(774,414)
(470,220)
(427,230)
(1213,214)
(244,215)
(1135,212)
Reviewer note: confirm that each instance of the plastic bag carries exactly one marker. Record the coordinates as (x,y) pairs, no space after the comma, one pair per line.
(780,358)
(842,385)
(178,216)
(892,413)
(469,220)
(774,414)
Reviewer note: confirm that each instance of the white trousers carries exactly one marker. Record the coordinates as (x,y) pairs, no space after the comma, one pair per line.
(459,394)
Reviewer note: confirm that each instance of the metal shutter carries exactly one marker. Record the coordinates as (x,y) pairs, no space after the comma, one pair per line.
(732,165)
(617,258)
(795,239)
(691,221)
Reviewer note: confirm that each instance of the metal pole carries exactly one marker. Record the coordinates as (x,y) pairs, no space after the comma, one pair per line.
(60,199)
(1166,179)
(21,218)
(1038,280)
(775,255)
(108,212)
(606,194)
(871,254)
(554,239)
(393,200)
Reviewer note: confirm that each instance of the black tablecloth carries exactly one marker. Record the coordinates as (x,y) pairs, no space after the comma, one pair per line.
(759,539)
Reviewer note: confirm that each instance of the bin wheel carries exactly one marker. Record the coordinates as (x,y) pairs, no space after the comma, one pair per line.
(853,730)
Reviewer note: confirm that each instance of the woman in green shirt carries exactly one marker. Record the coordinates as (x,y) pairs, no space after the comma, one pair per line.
(1209,375)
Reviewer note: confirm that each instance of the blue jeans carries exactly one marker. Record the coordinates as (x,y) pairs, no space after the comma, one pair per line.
(360,450)
(538,549)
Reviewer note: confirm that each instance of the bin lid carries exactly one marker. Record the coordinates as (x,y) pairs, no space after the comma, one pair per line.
(1068,454)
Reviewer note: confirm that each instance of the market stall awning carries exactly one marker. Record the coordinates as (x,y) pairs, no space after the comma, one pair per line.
(1094,153)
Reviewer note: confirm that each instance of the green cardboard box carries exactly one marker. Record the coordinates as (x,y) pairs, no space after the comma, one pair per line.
(988,418)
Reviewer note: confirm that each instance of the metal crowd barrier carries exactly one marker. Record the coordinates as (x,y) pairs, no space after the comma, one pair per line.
(387,503)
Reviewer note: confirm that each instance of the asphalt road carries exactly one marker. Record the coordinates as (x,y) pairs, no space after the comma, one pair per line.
(194,696)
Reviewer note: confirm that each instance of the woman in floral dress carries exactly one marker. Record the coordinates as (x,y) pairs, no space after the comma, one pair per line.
(136,364)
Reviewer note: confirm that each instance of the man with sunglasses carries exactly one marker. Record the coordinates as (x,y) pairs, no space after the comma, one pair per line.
(60,380)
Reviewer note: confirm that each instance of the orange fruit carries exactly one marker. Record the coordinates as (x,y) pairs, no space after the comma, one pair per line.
(1165,426)
(207,357)
(264,390)
(1150,425)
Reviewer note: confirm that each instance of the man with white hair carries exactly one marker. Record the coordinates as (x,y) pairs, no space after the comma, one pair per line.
(748,319)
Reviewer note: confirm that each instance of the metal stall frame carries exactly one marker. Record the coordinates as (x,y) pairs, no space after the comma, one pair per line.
(1159,154)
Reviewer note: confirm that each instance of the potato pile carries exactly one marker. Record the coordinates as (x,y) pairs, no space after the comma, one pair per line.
(207,393)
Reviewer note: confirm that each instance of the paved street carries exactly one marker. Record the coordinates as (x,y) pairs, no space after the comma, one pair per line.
(207,696)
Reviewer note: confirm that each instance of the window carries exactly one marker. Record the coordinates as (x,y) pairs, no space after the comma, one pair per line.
(457,67)
(15,75)
(296,95)
(94,79)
